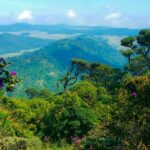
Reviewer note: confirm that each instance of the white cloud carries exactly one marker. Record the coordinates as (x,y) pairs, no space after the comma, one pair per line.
(113,16)
(71,13)
(26,15)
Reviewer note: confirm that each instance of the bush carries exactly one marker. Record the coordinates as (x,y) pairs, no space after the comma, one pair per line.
(70,117)
(16,143)
(13,143)
(100,143)
(86,91)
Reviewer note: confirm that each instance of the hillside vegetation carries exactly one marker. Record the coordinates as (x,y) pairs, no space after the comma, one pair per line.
(43,68)
(10,43)
(96,107)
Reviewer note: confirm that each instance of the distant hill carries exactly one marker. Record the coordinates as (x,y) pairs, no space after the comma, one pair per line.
(10,43)
(43,68)
(64,29)
(88,47)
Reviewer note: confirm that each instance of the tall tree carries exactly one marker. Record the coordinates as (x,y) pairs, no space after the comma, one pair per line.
(76,68)
(137,52)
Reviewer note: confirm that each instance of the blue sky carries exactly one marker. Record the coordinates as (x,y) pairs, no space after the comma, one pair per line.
(117,13)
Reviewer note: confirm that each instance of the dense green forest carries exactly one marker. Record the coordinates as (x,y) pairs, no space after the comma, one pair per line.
(52,61)
(98,108)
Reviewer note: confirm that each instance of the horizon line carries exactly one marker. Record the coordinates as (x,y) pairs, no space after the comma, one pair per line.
(71,25)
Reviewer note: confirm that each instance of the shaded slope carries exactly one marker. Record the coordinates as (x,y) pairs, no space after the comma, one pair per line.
(13,43)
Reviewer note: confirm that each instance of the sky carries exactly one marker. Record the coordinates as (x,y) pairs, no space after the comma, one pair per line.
(114,13)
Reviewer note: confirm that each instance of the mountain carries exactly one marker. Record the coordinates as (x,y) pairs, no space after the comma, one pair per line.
(44,67)
(92,48)
(57,45)
(65,29)
(10,43)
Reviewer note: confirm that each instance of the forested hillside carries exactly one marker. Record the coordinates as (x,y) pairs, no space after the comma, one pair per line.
(95,107)
(43,68)
(41,53)
(10,43)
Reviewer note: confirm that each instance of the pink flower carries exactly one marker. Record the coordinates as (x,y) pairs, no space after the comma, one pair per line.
(76,140)
(13,73)
(91,148)
(134,94)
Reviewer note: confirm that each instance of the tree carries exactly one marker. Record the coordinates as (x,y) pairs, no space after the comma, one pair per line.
(100,74)
(130,118)
(104,75)
(137,53)
(86,91)
(127,53)
(76,68)
(32,93)
(45,93)
(70,117)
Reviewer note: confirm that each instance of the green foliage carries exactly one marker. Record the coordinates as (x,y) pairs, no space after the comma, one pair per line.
(42,69)
(32,93)
(87,92)
(7,79)
(103,96)
(45,94)
(76,68)
(138,53)
(5,125)
(130,121)
(144,38)
(13,143)
(20,143)
(11,43)
(100,142)
(69,118)
(107,109)
(128,42)
(27,115)
(2,93)
(104,75)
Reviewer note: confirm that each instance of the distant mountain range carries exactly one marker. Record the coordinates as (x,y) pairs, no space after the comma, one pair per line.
(42,68)
(65,29)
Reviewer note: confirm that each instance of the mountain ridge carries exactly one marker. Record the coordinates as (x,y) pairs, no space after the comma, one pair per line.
(69,29)
(10,43)
(44,67)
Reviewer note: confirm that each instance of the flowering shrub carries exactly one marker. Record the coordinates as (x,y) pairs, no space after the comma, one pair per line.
(7,79)
(134,94)
(76,140)
(13,73)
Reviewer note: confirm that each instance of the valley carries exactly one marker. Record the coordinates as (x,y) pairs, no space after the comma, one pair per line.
(49,49)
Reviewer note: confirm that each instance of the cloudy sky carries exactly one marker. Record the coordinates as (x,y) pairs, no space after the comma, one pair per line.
(116,13)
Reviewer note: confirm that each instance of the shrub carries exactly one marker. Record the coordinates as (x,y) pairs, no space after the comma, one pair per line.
(69,117)
(86,91)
